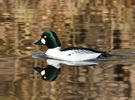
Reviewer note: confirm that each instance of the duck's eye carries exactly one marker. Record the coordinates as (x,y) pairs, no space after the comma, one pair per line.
(45,36)
(44,77)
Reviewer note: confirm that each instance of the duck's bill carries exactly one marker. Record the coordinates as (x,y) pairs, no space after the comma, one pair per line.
(38,43)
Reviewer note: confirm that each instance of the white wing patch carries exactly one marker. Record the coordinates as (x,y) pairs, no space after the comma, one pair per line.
(43,41)
(43,72)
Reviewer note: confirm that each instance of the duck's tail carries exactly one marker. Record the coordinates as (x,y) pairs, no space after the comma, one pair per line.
(105,54)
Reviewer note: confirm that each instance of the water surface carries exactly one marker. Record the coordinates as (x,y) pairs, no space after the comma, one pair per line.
(104,25)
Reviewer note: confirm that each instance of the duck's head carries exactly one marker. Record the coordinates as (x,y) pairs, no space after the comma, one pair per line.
(49,73)
(50,39)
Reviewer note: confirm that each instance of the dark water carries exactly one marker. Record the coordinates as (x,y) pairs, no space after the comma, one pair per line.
(104,25)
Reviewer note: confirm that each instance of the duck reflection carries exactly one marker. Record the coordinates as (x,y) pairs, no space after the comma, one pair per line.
(52,70)
(57,63)
(49,73)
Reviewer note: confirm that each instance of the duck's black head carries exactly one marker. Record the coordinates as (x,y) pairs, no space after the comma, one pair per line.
(49,73)
(50,39)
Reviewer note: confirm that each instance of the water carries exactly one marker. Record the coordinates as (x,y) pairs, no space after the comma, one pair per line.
(106,25)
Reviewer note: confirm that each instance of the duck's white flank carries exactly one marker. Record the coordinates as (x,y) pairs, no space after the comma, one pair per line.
(71,55)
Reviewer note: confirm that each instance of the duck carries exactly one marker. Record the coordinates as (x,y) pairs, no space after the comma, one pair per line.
(51,40)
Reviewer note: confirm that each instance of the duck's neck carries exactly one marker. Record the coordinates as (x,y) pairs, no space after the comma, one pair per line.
(53,51)
(57,48)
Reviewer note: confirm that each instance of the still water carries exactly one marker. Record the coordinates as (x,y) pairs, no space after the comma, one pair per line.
(104,25)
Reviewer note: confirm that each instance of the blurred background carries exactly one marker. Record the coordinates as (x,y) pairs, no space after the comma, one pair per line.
(104,25)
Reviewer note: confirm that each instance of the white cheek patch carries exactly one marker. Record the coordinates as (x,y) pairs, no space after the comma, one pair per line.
(43,41)
(43,72)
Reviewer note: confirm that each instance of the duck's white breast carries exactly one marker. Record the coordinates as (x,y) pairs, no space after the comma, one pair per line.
(71,55)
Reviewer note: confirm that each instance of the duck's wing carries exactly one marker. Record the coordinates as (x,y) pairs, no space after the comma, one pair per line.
(87,50)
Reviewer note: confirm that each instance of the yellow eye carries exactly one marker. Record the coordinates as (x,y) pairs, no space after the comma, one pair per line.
(44,77)
(45,36)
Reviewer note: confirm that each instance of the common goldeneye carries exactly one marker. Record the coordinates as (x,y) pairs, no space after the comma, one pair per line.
(50,39)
